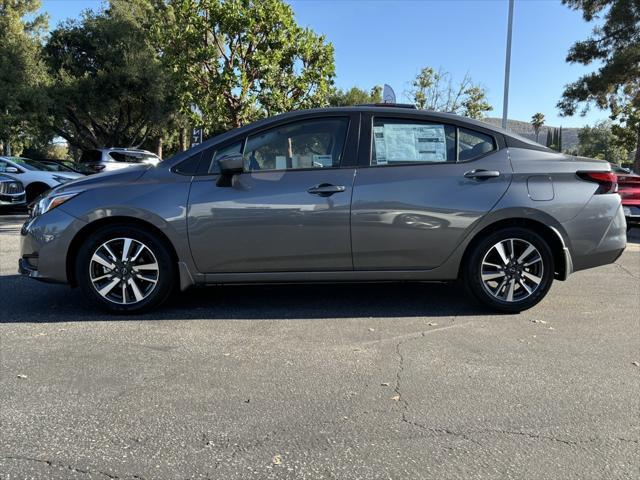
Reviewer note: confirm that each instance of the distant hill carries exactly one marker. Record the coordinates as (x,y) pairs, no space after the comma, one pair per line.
(569,135)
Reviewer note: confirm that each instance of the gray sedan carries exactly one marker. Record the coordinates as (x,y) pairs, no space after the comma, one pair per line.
(369,193)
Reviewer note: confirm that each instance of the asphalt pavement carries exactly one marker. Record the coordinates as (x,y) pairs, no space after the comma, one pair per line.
(387,381)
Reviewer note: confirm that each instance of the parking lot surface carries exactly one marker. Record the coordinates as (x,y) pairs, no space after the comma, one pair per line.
(397,381)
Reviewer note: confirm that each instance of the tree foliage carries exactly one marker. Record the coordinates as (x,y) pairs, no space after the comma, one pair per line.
(22,73)
(600,142)
(615,47)
(537,120)
(355,96)
(436,91)
(241,60)
(109,86)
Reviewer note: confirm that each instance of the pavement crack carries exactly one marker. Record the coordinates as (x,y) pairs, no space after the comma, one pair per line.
(627,271)
(71,468)
(405,403)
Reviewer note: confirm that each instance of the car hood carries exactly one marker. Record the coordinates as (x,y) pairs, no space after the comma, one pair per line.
(116,177)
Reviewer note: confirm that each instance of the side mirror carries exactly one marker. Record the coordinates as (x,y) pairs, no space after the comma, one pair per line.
(231,164)
(11,170)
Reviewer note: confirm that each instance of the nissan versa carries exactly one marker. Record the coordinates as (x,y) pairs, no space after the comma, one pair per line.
(368,193)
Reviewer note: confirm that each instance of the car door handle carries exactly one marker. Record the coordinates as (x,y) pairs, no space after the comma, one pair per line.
(325,189)
(480,174)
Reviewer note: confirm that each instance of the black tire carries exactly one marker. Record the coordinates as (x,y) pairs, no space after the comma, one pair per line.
(472,275)
(166,271)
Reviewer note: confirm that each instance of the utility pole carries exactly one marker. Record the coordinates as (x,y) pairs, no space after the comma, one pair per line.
(507,67)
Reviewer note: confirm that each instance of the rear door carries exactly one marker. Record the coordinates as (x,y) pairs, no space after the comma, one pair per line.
(420,186)
(289,209)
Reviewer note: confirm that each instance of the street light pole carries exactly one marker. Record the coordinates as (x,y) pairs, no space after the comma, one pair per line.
(507,67)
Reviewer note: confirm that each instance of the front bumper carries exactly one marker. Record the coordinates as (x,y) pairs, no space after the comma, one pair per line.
(16,199)
(632,215)
(44,244)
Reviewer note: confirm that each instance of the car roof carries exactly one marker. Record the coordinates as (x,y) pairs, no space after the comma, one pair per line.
(382,109)
(124,149)
(511,139)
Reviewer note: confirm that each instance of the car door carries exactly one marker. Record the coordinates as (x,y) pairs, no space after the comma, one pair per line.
(420,187)
(288,210)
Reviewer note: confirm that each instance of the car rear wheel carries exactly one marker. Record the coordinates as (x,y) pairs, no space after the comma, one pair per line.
(124,269)
(510,270)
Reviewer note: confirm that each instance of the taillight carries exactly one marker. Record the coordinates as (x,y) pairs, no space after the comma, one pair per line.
(607,181)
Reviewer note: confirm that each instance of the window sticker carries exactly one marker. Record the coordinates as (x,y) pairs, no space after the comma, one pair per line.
(409,143)
(323,161)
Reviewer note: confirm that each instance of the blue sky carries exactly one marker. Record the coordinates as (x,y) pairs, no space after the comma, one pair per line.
(388,41)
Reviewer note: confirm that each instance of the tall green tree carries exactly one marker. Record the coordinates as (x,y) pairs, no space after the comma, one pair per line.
(537,120)
(355,96)
(22,72)
(435,90)
(599,141)
(109,86)
(615,47)
(241,60)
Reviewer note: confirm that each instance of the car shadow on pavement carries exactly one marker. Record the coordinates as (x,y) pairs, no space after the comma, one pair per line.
(26,300)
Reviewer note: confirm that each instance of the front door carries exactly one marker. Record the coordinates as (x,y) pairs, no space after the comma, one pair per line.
(421,188)
(289,209)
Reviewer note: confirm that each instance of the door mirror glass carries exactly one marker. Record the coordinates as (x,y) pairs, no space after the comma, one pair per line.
(11,170)
(231,164)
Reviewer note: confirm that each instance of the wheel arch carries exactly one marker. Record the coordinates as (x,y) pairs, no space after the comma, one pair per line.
(561,257)
(36,185)
(83,234)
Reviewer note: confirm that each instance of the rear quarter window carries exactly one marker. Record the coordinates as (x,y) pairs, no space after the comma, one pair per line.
(91,156)
(473,144)
(126,157)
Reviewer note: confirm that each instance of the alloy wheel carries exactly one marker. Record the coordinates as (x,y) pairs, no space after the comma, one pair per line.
(512,270)
(124,271)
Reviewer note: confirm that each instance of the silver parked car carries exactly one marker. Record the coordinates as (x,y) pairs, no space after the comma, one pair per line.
(370,193)
(109,159)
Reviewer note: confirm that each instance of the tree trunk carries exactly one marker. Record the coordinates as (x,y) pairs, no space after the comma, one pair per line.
(159,147)
(636,162)
(183,139)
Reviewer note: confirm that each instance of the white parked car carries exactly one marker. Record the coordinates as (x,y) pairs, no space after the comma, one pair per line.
(36,177)
(11,191)
(109,159)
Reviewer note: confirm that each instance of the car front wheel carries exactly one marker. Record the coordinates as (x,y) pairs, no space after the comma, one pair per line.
(124,269)
(510,270)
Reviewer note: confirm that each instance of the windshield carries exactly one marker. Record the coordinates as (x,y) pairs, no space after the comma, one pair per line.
(32,164)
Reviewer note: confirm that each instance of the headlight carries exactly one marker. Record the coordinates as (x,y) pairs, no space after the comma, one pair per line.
(61,179)
(51,201)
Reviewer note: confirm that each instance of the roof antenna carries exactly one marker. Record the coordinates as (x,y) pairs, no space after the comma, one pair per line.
(388,95)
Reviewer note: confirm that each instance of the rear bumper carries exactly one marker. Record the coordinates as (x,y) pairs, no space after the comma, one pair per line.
(632,215)
(598,235)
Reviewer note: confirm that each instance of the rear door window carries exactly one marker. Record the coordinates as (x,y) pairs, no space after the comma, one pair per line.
(402,141)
